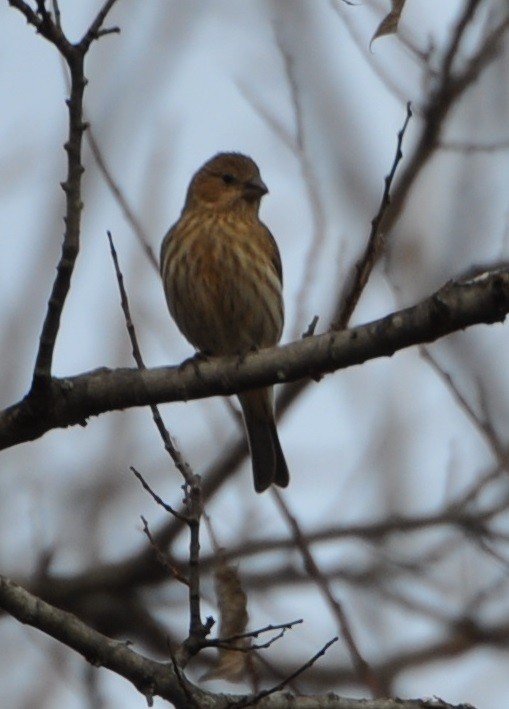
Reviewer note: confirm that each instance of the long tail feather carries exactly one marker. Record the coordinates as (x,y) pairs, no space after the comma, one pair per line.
(268,460)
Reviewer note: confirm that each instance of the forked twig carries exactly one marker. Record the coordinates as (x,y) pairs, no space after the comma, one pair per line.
(227,642)
(278,687)
(198,631)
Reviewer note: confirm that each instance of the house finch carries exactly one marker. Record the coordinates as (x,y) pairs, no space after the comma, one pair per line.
(222,278)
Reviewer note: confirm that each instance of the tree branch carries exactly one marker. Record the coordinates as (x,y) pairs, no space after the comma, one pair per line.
(74,55)
(149,677)
(160,679)
(70,401)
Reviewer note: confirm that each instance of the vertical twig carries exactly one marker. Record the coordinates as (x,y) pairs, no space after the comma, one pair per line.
(365,265)
(70,246)
(74,55)
(198,631)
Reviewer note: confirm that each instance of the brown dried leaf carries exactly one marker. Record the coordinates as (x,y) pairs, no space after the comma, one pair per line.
(389,25)
(233,617)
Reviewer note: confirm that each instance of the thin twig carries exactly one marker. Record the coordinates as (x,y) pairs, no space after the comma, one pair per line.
(181,680)
(156,497)
(71,241)
(43,12)
(74,55)
(435,112)
(95,30)
(161,556)
(278,687)
(198,631)
(456,37)
(375,243)
(119,195)
(483,426)
(180,463)
(31,17)
(363,669)
(226,642)
(56,12)
(226,645)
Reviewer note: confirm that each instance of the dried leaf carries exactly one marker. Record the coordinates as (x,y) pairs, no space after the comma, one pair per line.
(389,25)
(233,617)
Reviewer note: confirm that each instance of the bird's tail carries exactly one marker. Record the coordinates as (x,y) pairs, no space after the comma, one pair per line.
(268,460)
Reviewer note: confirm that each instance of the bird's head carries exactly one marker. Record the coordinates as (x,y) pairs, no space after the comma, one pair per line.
(227,181)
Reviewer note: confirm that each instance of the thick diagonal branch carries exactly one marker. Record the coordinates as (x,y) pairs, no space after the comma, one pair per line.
(71,401)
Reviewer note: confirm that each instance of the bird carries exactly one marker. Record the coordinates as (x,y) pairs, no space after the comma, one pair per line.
(222,277)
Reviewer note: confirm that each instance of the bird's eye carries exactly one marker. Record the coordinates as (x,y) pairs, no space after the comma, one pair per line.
(228,179)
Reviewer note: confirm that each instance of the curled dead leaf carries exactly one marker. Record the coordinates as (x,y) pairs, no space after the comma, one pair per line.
(389,25)
(233,659)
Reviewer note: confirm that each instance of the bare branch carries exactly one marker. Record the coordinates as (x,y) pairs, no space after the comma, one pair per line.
(74,55)
(483,426)
(158,500)
(456,37)
(160,679)
(180,463)
(70,246)
(56,12)
(252,701)
(375,242)
(364,672)
(198,631)
(227,641)
(95,30)
(149,677)
(161,556)
(70,401)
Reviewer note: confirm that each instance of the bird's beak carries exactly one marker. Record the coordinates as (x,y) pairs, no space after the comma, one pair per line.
(256,187)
